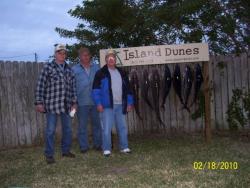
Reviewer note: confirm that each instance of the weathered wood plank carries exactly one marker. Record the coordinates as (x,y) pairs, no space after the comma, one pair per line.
(224,90)
(139,122)
(244,72)
(41,120)
(218,95)
(35,114)
(31,99)
(248,68)
(162,128)
(147,110)
(6,105)
(208,132)
(180,110)
(173,106)
(231,79)
(191,122)
(212,97)
(11,106)
(248,73)
(23,99)
(1,105)
(165,112)
(18,108)
(237,72)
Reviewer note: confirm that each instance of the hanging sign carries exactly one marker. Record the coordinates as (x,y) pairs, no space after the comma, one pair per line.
(162,54)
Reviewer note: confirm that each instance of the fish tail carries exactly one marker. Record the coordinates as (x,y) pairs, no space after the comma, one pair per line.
(192,103)
(163,104)
(160,120)
(186,108)
(149,104)
(138,114)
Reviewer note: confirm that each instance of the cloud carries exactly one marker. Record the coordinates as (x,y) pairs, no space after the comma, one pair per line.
(28,26)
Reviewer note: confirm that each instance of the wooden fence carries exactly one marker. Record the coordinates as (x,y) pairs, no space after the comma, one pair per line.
(20,125)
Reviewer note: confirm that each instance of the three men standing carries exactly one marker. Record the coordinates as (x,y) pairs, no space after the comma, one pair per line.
(102,95)
(55,95)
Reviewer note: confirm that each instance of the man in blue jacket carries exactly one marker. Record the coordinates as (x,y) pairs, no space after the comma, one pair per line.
(112,95)
(85,71)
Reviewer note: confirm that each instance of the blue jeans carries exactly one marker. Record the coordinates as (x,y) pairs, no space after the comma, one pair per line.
(50,133)
(108,117)
(84,113)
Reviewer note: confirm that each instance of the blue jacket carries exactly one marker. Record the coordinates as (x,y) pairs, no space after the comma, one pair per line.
(84,83)
(102,92)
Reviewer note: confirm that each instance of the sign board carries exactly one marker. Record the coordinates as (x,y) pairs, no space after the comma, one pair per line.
(162,54)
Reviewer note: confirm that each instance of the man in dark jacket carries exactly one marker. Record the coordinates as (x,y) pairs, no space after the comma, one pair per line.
(112,95)
(56,95)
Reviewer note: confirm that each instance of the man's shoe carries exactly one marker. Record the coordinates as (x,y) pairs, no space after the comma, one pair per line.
(84,150)
(69,154)
(50,160)
(97,148)
(106,153)
(126,151)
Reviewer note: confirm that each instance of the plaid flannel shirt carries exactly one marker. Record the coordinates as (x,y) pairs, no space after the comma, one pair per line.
(56,88)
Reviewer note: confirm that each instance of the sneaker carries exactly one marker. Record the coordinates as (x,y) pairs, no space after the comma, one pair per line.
(126,151)
(50,159)
(69,154)
(106,153)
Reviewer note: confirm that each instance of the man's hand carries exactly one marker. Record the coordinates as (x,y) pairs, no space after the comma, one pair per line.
(74,106)
(100,108)
(40,108)
(129,108)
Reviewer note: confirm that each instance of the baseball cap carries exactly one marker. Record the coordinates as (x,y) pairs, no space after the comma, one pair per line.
(110,51)
(59,47)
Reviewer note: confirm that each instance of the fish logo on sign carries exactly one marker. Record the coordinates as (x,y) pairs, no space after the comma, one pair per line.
(120,61)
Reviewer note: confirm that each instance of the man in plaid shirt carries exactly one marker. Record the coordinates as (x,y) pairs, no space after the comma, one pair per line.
(55,95)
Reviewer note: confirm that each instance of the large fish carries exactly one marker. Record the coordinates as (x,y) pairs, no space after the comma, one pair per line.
(134,82)
(187,86)
(167,84)
(177,82)
(198,82)
(145,88)
(156,94)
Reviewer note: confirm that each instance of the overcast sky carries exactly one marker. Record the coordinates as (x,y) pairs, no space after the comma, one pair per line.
(28,27)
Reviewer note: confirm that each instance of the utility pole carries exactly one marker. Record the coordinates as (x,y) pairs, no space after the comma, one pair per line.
(36,57)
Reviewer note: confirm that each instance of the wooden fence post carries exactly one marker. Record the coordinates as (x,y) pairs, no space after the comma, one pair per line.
(208,133)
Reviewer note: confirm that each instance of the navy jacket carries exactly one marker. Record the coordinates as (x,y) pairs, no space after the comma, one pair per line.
(102,91)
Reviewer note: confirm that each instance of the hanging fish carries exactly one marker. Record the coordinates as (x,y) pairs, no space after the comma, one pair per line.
(198,82)
(134,82)
(145,88)
(167,84)
(187,86)
(156,94)
(177,82)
